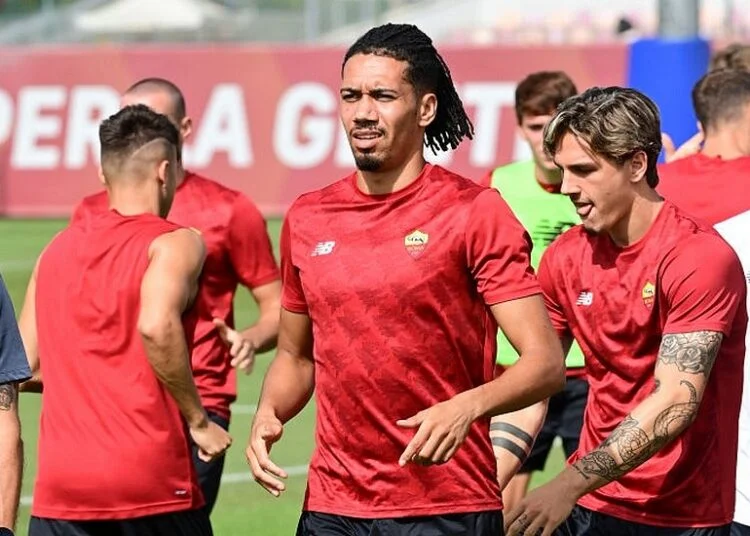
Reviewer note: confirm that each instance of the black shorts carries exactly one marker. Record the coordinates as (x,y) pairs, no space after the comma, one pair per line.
(738,529)
(584,522)
(209,473)
(476,524)
(564,420)
(188,523)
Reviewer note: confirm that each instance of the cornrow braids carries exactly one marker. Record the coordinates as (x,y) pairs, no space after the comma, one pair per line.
(427,72)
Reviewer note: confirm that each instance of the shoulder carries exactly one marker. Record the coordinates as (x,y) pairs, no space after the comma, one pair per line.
(512,170)
(461,189)
(335,193)
(210,188)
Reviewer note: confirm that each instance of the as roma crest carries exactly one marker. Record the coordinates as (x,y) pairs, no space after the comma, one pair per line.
(415,243)
(648,293)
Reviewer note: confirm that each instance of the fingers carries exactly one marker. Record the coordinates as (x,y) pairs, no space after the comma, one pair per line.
(412,422)
(413,447)
(265,472)
(204,456)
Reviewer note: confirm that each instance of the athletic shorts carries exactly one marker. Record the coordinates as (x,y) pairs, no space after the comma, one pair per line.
(738,529)
(564,420)
(584,522)
(209,473)
(475,524)
(187,523)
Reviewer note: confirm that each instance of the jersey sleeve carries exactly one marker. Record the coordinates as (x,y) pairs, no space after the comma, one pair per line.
(250,249)
(548,281)
(292,293)
(14,366)
(703,284)
(498,251)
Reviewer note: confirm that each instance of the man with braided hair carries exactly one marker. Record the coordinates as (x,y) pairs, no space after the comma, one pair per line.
(394,282)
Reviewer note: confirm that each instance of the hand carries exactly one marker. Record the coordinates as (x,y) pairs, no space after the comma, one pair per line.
(441,430)
(690,147)
(212,440)
(265,431)
(541,511)
(241,349)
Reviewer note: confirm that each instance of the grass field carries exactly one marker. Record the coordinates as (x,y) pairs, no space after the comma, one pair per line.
(243,507)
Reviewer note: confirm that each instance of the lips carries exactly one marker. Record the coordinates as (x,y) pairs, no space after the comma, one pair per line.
(365,139)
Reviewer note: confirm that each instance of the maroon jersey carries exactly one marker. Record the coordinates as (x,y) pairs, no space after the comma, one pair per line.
(238,250)
(680,277)
(397,288)
(112,442)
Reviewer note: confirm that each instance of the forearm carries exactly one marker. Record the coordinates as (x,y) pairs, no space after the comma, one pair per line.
(652,425)
(264,333)
(287,387)
(521,385)
(168,355)
(11,460)
(513,436)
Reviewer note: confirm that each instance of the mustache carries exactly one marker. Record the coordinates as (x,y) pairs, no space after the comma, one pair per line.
(363,128)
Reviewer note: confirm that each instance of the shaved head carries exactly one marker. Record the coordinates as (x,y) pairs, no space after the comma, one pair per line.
(158,94)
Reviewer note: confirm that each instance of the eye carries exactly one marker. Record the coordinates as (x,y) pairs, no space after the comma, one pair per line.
(349,96)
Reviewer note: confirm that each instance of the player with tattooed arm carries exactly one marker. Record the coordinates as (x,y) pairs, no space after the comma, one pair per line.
(656,300)
(14,368)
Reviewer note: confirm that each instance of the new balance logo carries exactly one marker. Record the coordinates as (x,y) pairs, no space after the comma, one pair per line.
(585,298)
(323,248)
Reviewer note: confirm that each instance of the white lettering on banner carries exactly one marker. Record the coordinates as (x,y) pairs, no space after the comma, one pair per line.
(307,130)
(33,126)
(488,99)
(89,105)
(302,141)
(223,128)
(6,116)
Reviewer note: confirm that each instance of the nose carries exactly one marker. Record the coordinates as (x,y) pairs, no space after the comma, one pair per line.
(365,110)
(569,186)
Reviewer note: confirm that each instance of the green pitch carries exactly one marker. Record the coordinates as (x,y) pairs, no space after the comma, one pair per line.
(243,507)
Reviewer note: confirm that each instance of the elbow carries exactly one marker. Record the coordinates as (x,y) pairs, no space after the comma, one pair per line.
(156,331)
(554,374)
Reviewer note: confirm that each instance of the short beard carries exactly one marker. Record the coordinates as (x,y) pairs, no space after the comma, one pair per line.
(366,162)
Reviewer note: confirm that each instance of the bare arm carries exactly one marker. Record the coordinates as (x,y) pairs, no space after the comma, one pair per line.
(264,333)
(682,370)
(11,455)
(169,285)
(540,369)
(513,434)
(289,382)
(27,327)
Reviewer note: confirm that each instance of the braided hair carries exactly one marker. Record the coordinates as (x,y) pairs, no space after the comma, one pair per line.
(427,72)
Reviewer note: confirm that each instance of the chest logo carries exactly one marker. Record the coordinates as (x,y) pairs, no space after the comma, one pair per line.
(415,243)
(648,293)
(585,298)
(323,248)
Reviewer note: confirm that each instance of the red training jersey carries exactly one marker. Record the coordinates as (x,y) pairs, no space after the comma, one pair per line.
(238,250)
(112,442)
(618,302)
(397,288)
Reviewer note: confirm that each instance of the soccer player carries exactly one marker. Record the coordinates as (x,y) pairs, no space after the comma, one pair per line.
(532,190)
(713,185)
(395,280)
(111,311)
(656,299)
(238,252)
(14,368)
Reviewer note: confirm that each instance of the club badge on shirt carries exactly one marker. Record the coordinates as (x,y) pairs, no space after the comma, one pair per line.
(415,243)
(648,293)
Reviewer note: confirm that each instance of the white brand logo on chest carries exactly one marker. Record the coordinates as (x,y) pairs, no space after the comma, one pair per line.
(323,248)
(585,298)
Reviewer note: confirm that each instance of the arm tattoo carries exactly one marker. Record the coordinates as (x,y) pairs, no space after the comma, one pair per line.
(693,353)
(508,445)
(512,430)
(633,444)
(8,396)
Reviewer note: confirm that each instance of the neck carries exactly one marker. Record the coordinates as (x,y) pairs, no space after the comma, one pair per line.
(549,177)
(132,201)
(638,220)
(727,142)
(386,182)
(180,174)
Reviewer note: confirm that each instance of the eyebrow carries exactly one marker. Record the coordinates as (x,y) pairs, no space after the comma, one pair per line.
(374,91)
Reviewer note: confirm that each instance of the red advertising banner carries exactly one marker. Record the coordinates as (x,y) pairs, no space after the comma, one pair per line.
(266,119)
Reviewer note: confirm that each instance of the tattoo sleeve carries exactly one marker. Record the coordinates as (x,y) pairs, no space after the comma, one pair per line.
(683,366)
(8,396)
